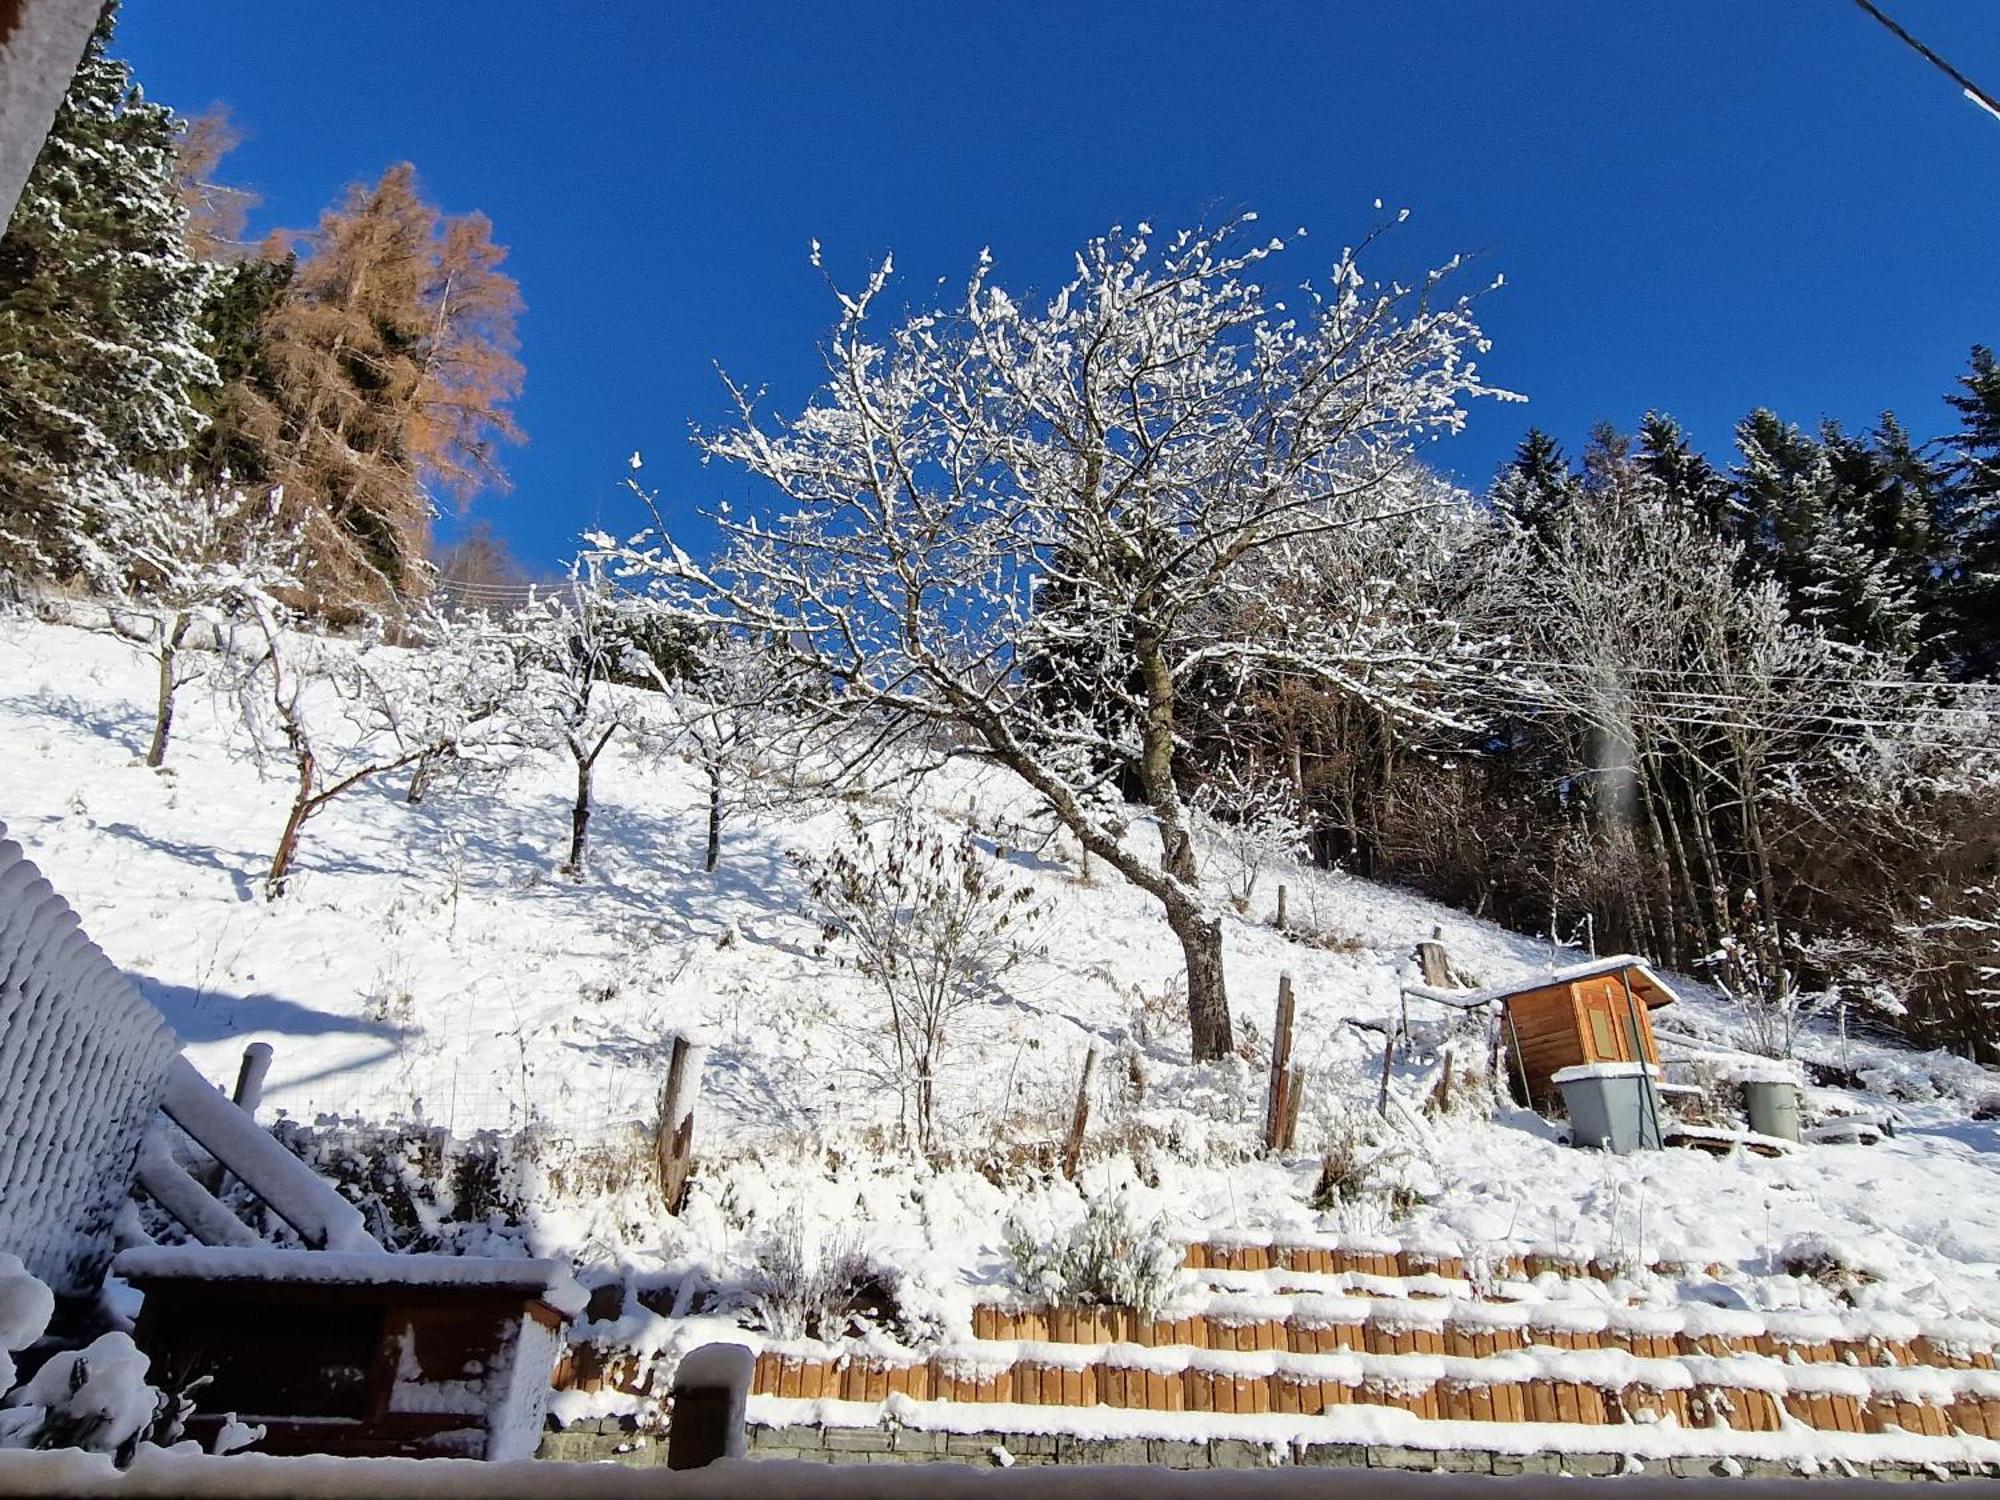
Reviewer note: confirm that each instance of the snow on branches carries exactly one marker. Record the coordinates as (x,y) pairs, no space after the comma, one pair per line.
(175,564)
(996,495)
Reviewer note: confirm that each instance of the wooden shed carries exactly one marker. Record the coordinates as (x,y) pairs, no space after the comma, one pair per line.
(359,1354)
(1599,1012)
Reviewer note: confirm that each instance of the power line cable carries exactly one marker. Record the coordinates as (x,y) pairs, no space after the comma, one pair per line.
(1971,90)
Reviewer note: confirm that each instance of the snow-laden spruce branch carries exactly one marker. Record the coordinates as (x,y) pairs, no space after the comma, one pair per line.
(1033,523)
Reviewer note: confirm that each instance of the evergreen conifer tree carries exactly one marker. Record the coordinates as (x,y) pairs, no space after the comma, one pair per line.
(100,348)
(1537,488)
(1690,480)
(1973,591)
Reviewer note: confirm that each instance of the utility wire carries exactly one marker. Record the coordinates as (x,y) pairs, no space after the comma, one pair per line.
(1972,90)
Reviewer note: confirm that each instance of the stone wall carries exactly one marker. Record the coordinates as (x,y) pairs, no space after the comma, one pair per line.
(618,1440)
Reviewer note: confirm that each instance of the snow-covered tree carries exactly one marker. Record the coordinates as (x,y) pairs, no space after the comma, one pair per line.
(732,720)
(586,645)
(1252,819)
(341,715)
(1138,440)
(100,345)
(174,564)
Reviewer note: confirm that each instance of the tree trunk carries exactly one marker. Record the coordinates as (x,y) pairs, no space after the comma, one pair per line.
(1208,997)
(1200,935)
(579,821)
(288,841)
(714,855)
(163,714)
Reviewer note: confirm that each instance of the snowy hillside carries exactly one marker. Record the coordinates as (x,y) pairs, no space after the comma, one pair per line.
(430,963)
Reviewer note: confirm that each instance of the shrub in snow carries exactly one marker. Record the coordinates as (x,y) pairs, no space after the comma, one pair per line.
(1837,1265)
(25,1309)
(1106,1258)
(935,922)
(1252,821)
(96,1398)
(826,1287)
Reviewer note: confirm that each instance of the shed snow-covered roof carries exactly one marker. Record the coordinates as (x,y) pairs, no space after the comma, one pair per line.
(1645,981)
(547,1280)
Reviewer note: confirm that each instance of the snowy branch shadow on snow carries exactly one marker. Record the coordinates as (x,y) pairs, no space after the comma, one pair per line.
(198,1015)
(123,725)
(237,864)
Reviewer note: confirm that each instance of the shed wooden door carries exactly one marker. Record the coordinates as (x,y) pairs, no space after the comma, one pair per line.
(1612,1022)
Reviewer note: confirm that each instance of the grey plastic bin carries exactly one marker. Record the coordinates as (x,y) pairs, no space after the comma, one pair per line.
(1773,1107)
(1612,1106)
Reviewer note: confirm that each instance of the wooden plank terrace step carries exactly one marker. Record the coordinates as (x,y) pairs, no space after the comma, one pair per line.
(1385,1326)
(1340,1260)
(1862,1403)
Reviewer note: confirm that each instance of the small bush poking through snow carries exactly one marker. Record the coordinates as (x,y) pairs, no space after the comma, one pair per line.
(809,1287)
(1107,1258)
(96,1398)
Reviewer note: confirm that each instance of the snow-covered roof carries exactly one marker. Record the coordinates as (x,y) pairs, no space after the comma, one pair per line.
(548,1280)
(1645,982)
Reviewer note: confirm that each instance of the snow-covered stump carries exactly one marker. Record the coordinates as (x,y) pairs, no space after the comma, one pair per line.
(82,1063)
(359,1354)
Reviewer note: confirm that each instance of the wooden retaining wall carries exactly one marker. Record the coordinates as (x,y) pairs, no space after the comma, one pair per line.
(1339,1261)
(1195,1389)
(1200,1390)
(1303,1334)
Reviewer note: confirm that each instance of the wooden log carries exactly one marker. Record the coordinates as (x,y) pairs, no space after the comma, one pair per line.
(1434,963)
(673,1134)
(1080,1119)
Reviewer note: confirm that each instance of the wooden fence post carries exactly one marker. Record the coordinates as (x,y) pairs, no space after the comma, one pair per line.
(250,1077)
(1294,1092)
(1281,1066)
(1281,908)
(1388,1057)
(249,1093)
(673,1138)
(1073,1147)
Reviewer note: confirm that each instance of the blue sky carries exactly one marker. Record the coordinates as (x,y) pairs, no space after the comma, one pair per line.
(1700,205)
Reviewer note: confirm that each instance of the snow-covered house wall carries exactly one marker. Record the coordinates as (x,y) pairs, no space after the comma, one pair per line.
(40,42)
(83,1058)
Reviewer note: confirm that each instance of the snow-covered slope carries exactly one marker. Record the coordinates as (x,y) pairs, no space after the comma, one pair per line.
(430,962)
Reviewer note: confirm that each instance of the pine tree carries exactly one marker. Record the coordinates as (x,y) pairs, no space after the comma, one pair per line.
(1537,488)
(391,366)
(1816,518)
(100,350)
(1689,479)
(1972,603)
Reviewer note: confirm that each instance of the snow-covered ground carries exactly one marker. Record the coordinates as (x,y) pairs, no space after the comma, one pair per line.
(430,962)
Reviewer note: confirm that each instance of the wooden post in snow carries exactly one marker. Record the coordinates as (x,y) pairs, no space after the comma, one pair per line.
(1079,1121)
(1388,1056)
(1294,1092)
(1281,908)
(250,1077)
(248,1094)
(1281,1067)
(673,1136)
